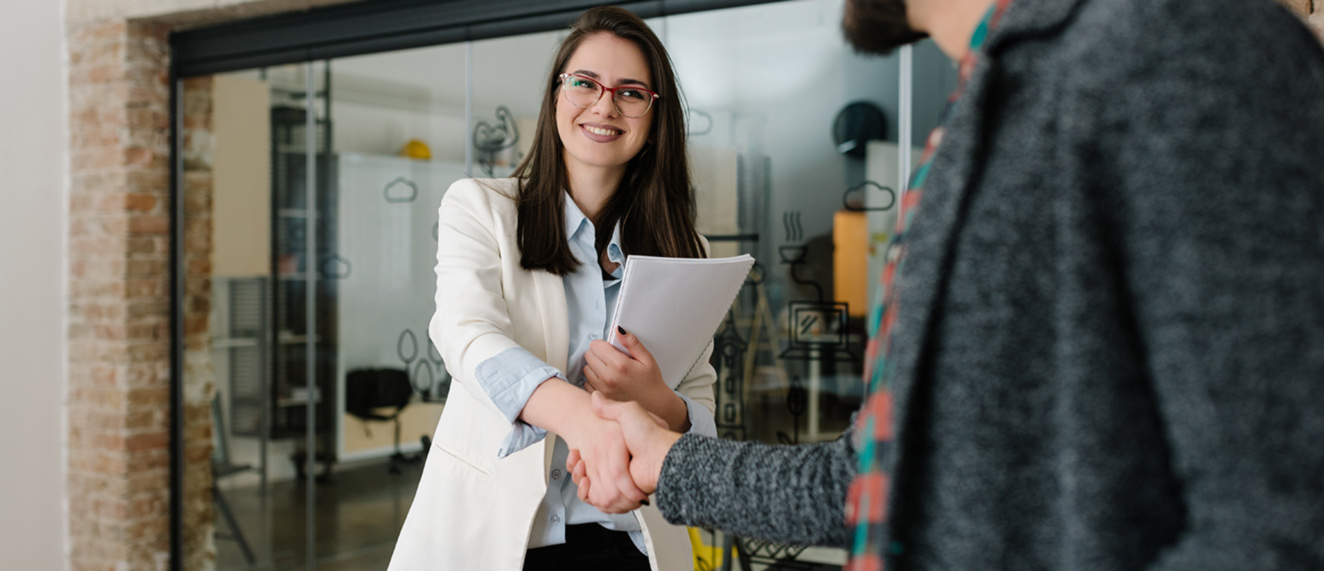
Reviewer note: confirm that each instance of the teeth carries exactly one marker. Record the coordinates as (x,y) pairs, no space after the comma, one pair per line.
(600,131)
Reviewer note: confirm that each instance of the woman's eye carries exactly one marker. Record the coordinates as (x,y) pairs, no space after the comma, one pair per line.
(632,94)
(584,83)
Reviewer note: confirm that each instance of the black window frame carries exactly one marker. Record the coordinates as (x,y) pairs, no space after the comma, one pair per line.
(387,25)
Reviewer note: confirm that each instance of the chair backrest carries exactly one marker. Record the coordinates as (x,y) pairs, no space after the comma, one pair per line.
(369,389)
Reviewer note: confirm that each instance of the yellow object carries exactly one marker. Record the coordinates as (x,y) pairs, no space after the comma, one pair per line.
(416,149)
(706,557)
(850,260)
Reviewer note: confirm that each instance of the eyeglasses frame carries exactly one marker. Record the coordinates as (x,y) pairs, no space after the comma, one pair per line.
(603,88)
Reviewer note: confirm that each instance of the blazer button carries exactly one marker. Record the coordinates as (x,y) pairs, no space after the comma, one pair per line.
(556,474)
(556,519)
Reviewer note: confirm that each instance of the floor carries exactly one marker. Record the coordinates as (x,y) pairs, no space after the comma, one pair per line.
(359,513)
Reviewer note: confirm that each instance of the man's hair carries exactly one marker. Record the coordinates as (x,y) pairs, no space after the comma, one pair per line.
(655,200)
(878,26)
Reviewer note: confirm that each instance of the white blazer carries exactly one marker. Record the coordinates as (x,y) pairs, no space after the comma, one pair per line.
(473,512)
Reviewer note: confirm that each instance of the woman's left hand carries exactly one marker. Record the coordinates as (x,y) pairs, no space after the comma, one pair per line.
(637,378)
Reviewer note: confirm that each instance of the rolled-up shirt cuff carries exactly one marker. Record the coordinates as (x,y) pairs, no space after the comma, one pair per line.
(522,435)
(701,419)
(509,379)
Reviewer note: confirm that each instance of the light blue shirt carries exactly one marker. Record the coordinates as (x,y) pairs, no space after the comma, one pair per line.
(510,378)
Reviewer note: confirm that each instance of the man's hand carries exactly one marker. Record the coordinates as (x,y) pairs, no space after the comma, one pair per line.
(634,377)
(648,442)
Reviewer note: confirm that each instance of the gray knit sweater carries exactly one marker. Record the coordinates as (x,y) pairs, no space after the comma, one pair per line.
(1109,352)
(787,494)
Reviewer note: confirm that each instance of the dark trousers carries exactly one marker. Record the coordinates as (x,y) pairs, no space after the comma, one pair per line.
(588,547)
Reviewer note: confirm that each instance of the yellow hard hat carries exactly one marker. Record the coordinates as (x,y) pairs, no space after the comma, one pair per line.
(416,149)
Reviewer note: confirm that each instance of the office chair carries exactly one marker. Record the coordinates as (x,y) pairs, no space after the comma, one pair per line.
(368,390)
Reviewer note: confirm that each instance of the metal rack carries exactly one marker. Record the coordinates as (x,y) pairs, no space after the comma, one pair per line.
(288,393)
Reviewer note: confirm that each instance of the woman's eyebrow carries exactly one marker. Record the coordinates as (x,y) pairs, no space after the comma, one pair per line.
(587,73)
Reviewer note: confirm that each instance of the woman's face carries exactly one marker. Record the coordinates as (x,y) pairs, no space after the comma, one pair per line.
(599,136)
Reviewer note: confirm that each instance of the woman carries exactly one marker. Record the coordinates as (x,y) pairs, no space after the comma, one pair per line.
(527,274)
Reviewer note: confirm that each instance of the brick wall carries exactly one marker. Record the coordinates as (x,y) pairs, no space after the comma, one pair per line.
(199,375)
(119,306)
(119,300)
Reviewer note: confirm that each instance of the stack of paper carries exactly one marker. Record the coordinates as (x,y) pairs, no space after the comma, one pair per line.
(674,305)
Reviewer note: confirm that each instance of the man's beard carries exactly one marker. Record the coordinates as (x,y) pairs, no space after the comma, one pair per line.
(878,26)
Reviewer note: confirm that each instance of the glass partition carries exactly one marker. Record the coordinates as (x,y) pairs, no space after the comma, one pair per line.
(795,158)
(508,78)
(310,211)
(310,197)
(793,140)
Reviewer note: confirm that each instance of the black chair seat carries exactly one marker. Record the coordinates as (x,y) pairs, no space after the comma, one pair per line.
(368,391)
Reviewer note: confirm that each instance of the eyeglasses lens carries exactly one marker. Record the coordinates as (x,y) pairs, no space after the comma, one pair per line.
(583,92)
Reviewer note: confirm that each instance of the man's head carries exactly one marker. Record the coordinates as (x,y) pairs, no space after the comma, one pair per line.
(878,26)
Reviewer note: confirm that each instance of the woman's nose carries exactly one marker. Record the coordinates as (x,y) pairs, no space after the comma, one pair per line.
(606,104)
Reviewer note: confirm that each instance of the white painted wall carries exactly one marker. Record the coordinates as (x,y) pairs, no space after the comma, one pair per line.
(33,221)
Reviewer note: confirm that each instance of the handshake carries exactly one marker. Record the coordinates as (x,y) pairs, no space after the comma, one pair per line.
(619,469)
(616,455)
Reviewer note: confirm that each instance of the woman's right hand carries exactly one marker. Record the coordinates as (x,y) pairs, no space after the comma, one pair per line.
(567,410)
(600,444)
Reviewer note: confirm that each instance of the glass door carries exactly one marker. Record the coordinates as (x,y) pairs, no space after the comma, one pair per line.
(310,195)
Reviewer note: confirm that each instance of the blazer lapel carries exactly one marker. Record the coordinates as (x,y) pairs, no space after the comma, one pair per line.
(556,335)
(555,320)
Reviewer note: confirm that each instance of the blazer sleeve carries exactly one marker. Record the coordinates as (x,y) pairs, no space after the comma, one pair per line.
(696,389)
(785,494)
(471,324)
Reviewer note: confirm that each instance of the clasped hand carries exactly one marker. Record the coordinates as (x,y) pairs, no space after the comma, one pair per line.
(647,441)
(639,409)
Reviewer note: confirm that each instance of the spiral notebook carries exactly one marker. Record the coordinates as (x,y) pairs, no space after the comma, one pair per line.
(674,305)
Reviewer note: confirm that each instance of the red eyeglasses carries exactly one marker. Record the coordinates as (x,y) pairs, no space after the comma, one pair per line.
(629,100)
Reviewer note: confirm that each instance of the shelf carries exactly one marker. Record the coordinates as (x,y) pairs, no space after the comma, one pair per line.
(292,339)
(298,151)
(234,342)
(298,397)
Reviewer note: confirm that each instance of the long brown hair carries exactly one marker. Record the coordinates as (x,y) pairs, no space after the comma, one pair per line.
(654,202)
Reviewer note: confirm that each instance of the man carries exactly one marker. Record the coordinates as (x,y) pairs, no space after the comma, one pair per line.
(1107,335)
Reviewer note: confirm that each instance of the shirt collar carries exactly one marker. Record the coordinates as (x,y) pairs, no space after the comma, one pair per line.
(576,222)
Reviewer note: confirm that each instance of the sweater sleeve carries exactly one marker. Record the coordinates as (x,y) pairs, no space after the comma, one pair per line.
(786,494)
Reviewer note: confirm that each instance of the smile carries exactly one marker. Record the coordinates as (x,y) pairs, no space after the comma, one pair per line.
(606,132)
